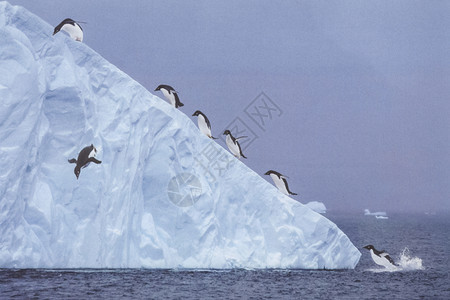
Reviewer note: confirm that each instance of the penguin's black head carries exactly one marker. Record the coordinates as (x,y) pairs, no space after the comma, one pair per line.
(165,87)
(368,247)
(226,132)
(270,172)
(77,171)
(60,25)
(197,112)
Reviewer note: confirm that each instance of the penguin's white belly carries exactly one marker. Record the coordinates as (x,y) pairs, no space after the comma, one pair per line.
(74,31)
(203,126)
(382,261)
(234,148)
(169,96)
(93,153)
(279,184)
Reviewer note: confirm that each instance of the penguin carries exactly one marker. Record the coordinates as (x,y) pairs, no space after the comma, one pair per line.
(233,144)
(72,28)
(170,94)
(203,124)
(381,258)
(86,156)
(280,182)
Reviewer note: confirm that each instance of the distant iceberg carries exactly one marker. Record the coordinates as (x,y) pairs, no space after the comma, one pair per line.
(379,213)
(165,195)
(316,206)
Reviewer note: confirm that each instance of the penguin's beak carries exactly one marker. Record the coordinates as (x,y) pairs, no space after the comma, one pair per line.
(366,247)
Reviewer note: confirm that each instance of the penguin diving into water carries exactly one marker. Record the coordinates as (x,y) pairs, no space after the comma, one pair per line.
(203,124)
(381,258)
(280,182)
(233,144)
(85,157)
(72,28)
(170,94)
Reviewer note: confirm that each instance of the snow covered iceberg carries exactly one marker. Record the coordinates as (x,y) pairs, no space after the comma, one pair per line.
(165,195)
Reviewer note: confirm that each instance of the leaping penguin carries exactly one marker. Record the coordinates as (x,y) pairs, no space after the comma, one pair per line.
(381,258)
(86,156)
(170,94)
(233,144)
(72,28)
(280,182)
(203,124)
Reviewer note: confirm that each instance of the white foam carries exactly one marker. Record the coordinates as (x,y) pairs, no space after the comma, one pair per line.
(408,262)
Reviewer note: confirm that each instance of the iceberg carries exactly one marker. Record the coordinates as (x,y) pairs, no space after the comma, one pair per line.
(367,212)
(164,196)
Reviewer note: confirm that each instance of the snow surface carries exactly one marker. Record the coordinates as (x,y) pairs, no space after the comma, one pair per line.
(157,200)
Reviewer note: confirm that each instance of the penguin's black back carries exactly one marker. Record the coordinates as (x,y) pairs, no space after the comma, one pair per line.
(66,21)
(83,156)
(206,119)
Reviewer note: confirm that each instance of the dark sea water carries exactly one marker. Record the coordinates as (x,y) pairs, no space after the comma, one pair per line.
(419,243)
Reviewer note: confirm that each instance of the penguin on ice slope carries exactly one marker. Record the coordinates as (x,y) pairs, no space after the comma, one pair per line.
(170,94)
(72,28)
(233,144)
(86,156)
(280,182)
(203,124)
(381,258)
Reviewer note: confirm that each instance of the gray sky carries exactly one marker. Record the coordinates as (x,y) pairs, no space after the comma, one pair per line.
(357,91)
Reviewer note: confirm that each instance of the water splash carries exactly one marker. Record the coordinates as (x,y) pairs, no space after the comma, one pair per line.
(406,263)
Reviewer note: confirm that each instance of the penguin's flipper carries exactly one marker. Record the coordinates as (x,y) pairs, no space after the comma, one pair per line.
(72,161)
(287,186)
(386,255)
(94,160)
(241,137)
(214,138)
(177,100)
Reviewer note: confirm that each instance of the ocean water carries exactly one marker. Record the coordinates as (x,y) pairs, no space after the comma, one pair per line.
(418,243)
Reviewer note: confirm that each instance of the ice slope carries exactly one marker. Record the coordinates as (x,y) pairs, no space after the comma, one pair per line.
(165,195)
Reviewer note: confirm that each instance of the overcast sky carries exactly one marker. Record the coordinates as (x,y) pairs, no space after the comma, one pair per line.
(350,99)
